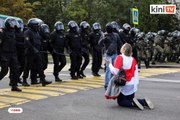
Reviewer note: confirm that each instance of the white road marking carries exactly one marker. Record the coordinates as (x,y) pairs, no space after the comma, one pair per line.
(160,80)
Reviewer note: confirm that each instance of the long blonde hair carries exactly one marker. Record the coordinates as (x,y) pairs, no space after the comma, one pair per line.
(126,49)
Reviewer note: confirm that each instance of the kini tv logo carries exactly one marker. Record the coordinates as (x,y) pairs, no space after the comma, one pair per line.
(162,9)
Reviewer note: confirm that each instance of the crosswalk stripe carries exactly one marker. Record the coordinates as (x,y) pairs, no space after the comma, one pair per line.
(70,86)
(12,100)
(44,92)
(97,78)
(87,82)
(89,79)
(66,90)
(88,85)
(2,105)
(26,95)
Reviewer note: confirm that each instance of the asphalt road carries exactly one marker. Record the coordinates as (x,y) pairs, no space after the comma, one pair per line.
(162,85)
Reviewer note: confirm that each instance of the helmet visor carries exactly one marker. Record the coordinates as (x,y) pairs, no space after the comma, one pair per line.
(73,24)
(96,27)
(46,30)
(13,23)
(60,27)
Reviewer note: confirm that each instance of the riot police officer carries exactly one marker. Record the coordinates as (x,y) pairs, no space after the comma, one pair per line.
(19,34)
(124,34)
(94,37)
(8,56)
(158,52)
(20,45)
(75,44)
(44,33)
(115,26)
(133,32)
(45,36)
(58,45)
(84,31)
(32,51)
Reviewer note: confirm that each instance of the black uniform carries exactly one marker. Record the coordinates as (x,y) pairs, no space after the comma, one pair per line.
(8,57)
(126,38)
(75,44)
(85,50)
(96,51)
(45,36)
(45,43)
(20,49)
(33,55)
(58,45)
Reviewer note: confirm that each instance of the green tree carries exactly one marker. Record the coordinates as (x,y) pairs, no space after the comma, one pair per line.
(50,11)
(101,11)
(19,8)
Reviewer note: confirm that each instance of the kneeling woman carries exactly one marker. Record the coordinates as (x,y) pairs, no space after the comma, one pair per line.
(129,64)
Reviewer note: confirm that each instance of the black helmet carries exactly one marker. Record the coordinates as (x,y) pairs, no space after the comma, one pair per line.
(10,23)
(140,35)
(115,26)
(84,25)
(170,34)
(44,28)
(176,34)
(161,32)
(73,26)
(126,27)
(58,26)
(20,25)
(109,28)
(34,23)
(134,31)
(96,26)
(38,20)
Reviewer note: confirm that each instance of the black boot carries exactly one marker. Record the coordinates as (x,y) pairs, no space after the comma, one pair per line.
(15,88)
(79,76)
(20,81)
(25,83)
(74,77)
(45,82)
(96,74)
(57,79)
(34,82)
(82,74)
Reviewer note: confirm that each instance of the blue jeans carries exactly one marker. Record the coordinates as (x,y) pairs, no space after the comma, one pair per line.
(108,74)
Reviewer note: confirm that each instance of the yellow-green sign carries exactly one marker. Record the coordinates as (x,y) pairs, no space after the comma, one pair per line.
(135,15)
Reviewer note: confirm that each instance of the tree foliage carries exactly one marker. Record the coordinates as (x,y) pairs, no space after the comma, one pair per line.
(19,8)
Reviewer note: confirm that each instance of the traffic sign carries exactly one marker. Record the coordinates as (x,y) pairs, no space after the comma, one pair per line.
(135,15)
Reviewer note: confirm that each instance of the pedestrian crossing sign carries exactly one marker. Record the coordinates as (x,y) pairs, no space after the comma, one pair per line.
(135,15)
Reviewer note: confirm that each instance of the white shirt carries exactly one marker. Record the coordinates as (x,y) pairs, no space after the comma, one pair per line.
(132,85)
